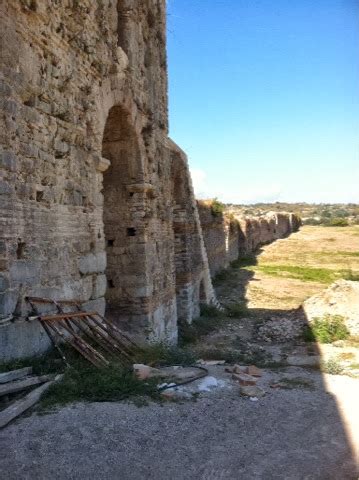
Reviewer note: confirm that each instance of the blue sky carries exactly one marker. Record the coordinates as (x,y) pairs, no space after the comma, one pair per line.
(264,97)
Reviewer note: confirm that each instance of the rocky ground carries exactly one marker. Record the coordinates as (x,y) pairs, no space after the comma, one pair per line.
(301,421)
(292,433)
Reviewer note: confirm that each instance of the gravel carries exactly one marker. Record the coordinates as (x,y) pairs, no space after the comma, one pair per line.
(287,434)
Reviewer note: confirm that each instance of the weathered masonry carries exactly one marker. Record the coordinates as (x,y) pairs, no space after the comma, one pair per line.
(96,202)
(228,236)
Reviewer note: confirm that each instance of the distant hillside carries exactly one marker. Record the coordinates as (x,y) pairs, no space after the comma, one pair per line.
(335,214)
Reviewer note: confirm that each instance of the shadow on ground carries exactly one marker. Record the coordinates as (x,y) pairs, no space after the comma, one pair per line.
(300,430)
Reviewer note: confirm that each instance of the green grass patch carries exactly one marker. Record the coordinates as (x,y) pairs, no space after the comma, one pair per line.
(86,383)
(211,319)
(346,254)
(244,261)
(306,274)
(42,364)
(237,310)
(354,366)
(326,329)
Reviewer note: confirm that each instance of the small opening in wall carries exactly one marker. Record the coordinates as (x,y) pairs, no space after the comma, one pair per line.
(110,283)
(131,232)
(20,250)
(110,243)
(39,196)
(132,194)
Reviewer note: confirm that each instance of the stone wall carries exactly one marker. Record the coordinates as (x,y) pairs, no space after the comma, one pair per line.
(96,203)
(227,236)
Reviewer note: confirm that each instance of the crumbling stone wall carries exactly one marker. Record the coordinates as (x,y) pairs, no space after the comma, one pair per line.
(89,209)
(227,236)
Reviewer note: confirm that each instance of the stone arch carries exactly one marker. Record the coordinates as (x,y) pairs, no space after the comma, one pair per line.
(123,228)
(193,283)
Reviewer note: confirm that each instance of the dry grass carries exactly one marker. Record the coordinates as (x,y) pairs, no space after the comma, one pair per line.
(291,270)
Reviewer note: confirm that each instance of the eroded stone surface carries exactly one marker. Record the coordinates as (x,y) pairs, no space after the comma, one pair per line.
(228,236)
(96,201)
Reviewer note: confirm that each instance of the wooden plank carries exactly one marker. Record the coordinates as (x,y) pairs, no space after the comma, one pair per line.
(113,327)
(19,385)
(73,343)
(62,316)
(114,334)
(15,374)
(49,300)
(26,402)
(97,335)
(92,352)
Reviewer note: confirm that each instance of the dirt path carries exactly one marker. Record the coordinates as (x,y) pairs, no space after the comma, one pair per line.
(305,428)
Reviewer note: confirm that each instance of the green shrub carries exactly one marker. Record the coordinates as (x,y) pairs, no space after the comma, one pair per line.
(244,261)
(217,207)
(224,276)
(161,354)
(338,222)
(326,329)
(210,320)
(312,221)
(352,276)
(332,366)
(237,310)
(211,311)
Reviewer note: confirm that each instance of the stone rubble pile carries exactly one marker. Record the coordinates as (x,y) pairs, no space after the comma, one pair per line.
(341,298)
(281,329)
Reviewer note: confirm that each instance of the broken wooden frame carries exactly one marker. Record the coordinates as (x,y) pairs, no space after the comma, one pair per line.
(75,326)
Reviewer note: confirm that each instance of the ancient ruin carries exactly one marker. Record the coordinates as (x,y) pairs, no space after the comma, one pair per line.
(228,236)
(96,201)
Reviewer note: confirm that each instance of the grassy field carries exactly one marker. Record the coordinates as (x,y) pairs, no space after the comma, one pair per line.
(288,271)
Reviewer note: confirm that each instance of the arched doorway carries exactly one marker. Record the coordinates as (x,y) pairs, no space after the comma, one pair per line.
(123,228)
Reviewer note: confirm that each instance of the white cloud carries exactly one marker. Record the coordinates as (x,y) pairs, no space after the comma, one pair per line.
(199,180)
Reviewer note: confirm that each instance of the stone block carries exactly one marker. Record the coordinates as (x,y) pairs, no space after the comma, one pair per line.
(4,283)
(244,379)
(254,371)
(252,391)
(2,247)
(8,301)
(93,263)
(102,164)
(99,286)
(5,89)
(23,271)
(8,161)
(5,188)
(23,339)
(98,305)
